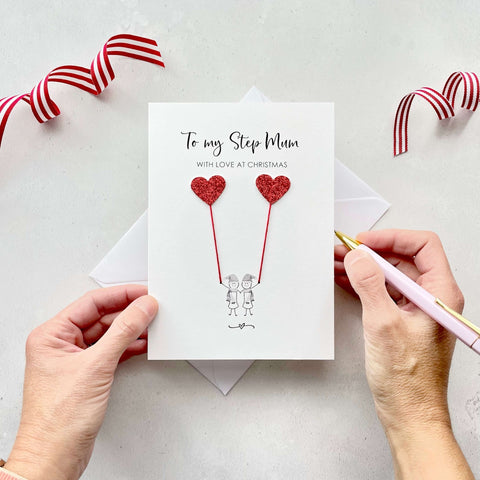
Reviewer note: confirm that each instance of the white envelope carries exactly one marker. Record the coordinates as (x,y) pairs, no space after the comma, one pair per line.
(357,208)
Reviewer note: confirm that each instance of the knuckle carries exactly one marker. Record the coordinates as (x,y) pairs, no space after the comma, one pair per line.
(458,299)
(382,329)
(33,340)
(85,297)
(91,293)
(433,237)
(140,313)
(364,274)
(370,280)
(127,325)
(34,343)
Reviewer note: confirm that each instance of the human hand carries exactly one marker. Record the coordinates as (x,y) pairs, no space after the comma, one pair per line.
(407,354)
(70,365)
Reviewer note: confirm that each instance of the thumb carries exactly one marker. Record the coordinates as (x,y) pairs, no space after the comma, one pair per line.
(127,327)
(368,281)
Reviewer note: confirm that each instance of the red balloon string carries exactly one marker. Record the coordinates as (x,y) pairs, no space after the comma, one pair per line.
(209,191)
(216,247)
(264,242)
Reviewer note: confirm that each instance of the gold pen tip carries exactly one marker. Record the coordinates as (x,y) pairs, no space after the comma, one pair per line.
(349,242)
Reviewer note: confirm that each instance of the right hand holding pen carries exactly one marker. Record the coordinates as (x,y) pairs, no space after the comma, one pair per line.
(407,354)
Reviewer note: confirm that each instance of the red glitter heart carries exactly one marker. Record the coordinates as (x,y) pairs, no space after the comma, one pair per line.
(273,189)
(208,190)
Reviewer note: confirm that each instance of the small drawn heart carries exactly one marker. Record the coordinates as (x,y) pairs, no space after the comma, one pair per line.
(208,190)
(241,325)
(273,189)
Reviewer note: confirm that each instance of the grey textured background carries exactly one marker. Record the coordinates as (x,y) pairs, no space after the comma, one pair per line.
(70,188)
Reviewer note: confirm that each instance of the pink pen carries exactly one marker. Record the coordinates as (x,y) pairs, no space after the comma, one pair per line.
(448,318)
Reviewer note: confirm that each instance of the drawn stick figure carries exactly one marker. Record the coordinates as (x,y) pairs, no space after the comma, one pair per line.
(232,284)
(248,297)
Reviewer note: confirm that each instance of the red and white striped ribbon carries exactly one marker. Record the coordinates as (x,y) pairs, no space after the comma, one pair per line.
(93,80)
(470,89)
(442,103)
(7,104)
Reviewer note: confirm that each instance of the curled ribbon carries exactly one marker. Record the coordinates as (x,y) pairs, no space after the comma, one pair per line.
(92,80)
(442,103)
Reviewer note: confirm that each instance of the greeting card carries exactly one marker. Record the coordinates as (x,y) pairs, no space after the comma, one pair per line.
(240,230)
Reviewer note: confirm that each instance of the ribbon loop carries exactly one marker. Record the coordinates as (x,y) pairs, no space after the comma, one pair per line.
(440,104)
(443,104)
(92,80)
(470,89)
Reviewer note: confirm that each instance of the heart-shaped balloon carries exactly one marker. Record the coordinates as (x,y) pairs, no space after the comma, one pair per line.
(208,190)
(273,189)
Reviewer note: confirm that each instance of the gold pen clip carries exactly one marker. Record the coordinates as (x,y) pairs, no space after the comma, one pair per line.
(451,311)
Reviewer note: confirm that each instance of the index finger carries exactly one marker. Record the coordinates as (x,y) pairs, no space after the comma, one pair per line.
(92,306)
(424,247)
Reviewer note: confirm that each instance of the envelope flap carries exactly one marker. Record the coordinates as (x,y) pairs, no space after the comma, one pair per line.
(223,374)
(349,185)
(254,95)
(354,215)
(127,261)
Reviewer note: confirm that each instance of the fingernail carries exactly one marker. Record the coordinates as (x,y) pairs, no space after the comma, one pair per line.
(147,304)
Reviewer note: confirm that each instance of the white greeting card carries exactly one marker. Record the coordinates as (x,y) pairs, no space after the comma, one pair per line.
(241,230)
